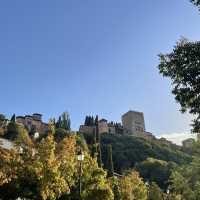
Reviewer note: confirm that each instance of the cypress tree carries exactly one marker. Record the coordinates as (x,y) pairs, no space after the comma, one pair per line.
(110,161)
(59,123)
(69,124)
(94,145)
(92,121)
(86,121)
(99,158)
(13,118)
(96,120)
(65,121)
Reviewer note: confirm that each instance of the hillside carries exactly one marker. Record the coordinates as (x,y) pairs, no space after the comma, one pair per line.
(153,159)
(129,150)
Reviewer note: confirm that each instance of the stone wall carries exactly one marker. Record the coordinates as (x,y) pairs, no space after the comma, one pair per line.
(86,129)
(103,126)
(133,122)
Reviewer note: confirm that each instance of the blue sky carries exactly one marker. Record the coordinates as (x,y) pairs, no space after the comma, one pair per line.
(92,57)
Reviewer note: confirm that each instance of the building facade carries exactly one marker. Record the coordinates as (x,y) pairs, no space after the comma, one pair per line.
(33,123)
(133,122)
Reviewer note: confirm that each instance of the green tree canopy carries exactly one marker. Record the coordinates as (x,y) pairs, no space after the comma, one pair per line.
(155,192)
(131,187)
(154,170)
(12,131)
(49,170)
(2,117)
(195,2)
(182,65)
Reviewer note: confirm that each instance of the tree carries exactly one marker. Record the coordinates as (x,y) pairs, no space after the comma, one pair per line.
(155,192)
(131,187)
(59,122)
(86,121)
(66,154)
(196,2)
(12,131)
(94,183)
(154,170)
(182,65)
(180,186)
(110,166)
(2,117)
(96,121)
(13,118)
(66,123)
(99,156)
(94,144)
(60,134)
(49,170)
(51,182)
(185,180)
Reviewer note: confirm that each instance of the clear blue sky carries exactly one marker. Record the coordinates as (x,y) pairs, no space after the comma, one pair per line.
(92,57)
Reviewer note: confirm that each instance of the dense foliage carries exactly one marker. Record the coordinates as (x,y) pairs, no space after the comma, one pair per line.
(129,150)
(196,2)
(131,187)
(50,170)
(182,65)
(185,180)
(46,169)
(152,158)
(157,171)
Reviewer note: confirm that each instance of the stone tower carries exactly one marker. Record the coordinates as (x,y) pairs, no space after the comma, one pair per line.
(133,122)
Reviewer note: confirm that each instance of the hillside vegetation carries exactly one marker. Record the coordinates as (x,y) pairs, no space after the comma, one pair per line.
(153,159)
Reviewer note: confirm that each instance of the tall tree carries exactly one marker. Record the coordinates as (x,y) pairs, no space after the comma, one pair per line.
(92,121)
(155,192)
(66,121)
(86,121)
(59,122)
(96,121)
(13,118)
(196,2)
(131,187)
(110,166)
(94,185)
(12,131)
(2,117)
(94,144)
(182,65)
(99,158)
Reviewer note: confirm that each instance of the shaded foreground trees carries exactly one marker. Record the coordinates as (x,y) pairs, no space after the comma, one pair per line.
(132,187)
(182,65)
(185,180)
(49,170)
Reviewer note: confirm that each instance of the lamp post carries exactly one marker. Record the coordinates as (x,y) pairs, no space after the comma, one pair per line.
(80,158)
(167,193)
(147,185)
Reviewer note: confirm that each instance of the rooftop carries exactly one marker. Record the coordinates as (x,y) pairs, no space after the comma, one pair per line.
(132,111)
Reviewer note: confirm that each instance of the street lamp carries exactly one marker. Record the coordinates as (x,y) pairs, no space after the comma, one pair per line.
(36,135)
(167,193)
(147,185)
(80,158)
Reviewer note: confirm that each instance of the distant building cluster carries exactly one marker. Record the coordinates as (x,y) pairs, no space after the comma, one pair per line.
(132,124)
(33,123)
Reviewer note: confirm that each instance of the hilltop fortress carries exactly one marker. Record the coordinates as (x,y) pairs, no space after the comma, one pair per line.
(132,124)
(33,123)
